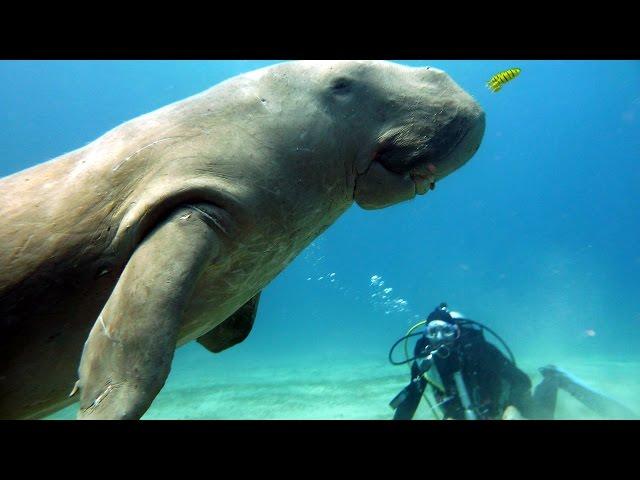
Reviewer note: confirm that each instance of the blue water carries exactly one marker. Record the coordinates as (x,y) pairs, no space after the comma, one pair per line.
(538,236)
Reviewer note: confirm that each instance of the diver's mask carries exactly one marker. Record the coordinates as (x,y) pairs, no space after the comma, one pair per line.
(440,332)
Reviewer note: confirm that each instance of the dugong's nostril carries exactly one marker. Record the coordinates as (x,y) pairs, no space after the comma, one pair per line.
(437,72)
(429,73)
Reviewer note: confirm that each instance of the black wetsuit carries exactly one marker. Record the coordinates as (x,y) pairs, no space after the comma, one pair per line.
(492,381)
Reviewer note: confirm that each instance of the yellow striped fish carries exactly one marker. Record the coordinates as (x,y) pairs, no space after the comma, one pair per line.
(496,82)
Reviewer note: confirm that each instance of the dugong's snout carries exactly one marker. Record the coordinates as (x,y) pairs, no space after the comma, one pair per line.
(441,131)
(467,144)
(441,141)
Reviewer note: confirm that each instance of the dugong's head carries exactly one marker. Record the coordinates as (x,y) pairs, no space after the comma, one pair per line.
(408,127)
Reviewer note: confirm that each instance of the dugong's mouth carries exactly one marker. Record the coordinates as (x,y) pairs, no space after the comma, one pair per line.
(422,165)
(427,170)
(424,181)
(407,164)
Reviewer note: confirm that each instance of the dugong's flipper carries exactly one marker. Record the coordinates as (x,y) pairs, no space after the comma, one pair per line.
(128,354)
(233,330)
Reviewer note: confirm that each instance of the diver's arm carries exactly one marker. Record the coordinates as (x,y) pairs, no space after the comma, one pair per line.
(520,395)
(419,367)
(422,363)
(407,401)
(516,377)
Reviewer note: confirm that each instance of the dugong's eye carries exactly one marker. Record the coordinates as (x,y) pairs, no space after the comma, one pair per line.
(341,85)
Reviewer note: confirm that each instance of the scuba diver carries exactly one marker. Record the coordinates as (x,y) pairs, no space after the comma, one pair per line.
(472,379)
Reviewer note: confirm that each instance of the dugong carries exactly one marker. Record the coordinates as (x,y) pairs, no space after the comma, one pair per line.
(166,229)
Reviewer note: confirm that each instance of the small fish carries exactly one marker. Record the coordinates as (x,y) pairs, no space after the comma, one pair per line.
(496,82)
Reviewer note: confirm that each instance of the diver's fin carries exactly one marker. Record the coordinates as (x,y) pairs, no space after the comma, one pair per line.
(596,401)
(233,330)
(399,398)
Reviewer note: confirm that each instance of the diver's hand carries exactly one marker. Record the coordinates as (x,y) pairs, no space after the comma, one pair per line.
(512,413)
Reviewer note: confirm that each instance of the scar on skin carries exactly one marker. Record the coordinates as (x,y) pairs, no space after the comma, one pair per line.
(139,150)
(208,218)
(100,398)
(104,327)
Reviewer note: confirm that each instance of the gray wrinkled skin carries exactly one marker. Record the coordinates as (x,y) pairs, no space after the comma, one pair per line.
(158,231)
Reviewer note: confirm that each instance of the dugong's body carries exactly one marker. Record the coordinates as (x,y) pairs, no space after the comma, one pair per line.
(167,228)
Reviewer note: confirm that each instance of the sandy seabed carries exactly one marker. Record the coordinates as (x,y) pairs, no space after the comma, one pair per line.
(201,388)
